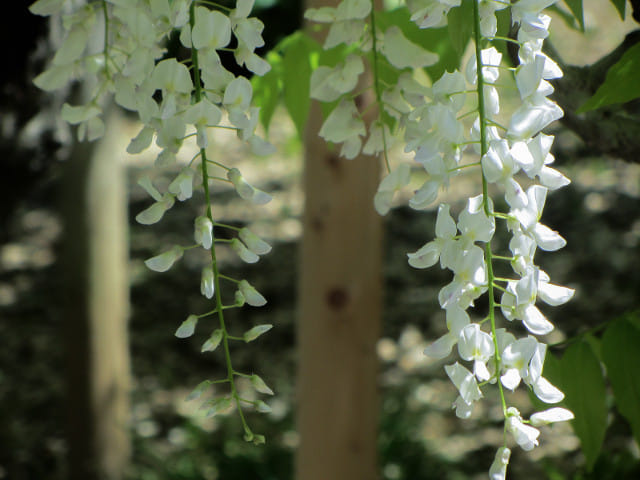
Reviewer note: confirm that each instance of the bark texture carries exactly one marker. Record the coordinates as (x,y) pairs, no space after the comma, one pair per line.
(339,312)
(97,307)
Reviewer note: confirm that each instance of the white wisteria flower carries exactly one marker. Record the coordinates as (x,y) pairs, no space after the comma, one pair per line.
(442,248)
(525,435)
(250,294)
(467,386)
(389,185)
(164,261)
(207,283)
(498,469)
(457,320)
(203,232)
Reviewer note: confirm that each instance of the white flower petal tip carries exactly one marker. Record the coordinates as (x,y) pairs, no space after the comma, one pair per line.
(552,415)
(250,294)
(254,242)
(246,190)
(546,392)
(188,327)
(498,470)
(525,435)
(207,283)
(164,261)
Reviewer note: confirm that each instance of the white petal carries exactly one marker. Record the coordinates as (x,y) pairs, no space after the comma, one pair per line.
(463,409)
(511,379)
(556,414)
(480,370)
(536,322)
(555,294)
(254,242)
(251,295)
(243,252)
(498,470)
(207,282)
(552,178)
(445,225)
(547,239)
(546,392)
(425,257)
(441,347)
(425,195)
(164,261)
(187,327)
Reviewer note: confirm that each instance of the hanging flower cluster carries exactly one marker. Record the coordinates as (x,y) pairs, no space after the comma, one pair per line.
(352,23)
(431,119)
(126,60)
(438,138)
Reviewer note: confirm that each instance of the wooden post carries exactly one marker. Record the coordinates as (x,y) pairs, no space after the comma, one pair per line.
(339,312)
(97,307)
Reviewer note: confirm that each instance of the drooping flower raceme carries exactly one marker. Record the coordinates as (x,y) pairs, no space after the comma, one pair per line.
(129,62)
(497,356)
(438,131)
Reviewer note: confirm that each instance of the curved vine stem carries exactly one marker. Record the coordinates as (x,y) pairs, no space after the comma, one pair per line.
(214,263)
(480,83)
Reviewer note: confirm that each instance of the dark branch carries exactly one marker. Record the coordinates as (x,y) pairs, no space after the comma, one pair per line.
(613,130)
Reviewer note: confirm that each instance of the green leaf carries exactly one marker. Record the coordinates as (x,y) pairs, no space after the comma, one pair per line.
(621,355)
(255,332)
(595,344)
(567,17)
(296,76)
(267,90)
(576,8)
(620,6)
(436,40)
(460,21)
(585,395)
(212,343)
(622,83)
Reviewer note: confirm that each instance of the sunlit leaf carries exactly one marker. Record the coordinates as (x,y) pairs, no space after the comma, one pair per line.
(620,6)
(622,83)
(296,75)
(267,89)
(460,24)
(576,8)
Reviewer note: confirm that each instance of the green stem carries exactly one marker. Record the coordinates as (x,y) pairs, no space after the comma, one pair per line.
(214,262)
(106,36)
(485,195)
(376,83)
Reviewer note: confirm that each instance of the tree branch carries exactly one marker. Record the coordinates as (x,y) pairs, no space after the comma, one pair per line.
(613,130)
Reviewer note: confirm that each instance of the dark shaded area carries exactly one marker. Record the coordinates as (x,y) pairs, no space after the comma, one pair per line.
(29,142)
